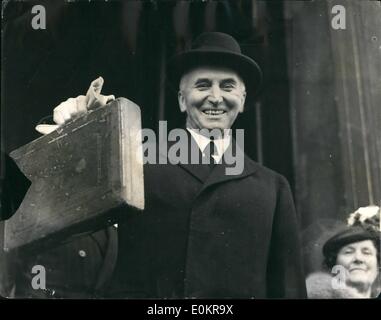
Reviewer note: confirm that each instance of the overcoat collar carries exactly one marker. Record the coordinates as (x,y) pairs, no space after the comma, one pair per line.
(218,174)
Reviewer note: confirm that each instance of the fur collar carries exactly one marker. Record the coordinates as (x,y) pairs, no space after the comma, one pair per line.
(319,286)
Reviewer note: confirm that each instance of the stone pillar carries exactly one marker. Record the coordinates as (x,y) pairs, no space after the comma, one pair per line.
(357,73)
(335,97)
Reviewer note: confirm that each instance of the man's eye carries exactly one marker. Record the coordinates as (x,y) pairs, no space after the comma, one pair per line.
(202,86)
(228,87)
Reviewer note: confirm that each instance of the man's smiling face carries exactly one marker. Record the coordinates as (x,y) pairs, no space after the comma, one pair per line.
(212,97)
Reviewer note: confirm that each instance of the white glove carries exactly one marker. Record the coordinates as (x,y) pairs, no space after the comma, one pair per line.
(75,107)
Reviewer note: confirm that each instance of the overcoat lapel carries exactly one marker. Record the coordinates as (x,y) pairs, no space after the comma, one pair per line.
(201,172)
(219,173)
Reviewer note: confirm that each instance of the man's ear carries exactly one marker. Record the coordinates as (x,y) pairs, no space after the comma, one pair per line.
(182,104)
(243,99)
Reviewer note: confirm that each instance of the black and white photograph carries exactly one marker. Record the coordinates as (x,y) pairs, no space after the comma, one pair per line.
(205,149)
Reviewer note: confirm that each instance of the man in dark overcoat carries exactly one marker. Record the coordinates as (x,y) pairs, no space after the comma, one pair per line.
(205,233)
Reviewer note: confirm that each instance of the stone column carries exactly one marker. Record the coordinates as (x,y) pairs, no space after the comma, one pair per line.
(335,97)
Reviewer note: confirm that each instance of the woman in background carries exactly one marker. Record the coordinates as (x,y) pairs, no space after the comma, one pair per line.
(351,260)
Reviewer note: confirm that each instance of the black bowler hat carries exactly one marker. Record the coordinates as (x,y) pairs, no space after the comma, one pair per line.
(216,49)
(347,235)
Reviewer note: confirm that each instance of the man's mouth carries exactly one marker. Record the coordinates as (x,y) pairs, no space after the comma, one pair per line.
(213,112)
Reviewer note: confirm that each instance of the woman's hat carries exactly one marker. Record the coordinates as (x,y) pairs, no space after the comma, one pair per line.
(347,235)
(363,224)
(216,49)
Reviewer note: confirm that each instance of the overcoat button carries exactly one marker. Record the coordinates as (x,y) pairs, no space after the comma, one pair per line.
(82,253)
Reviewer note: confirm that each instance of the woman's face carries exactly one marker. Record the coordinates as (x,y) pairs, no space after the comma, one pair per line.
(360,261)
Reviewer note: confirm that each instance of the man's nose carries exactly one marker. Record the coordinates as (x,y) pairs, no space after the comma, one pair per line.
(215,96)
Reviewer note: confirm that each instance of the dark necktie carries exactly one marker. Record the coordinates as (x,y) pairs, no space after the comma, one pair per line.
(209,152)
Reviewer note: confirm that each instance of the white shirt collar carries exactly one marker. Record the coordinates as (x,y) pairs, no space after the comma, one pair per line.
(221,144)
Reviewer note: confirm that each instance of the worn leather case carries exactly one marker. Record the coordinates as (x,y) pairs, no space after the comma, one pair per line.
(85,175)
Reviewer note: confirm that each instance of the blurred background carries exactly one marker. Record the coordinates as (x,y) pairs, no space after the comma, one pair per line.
(317,119)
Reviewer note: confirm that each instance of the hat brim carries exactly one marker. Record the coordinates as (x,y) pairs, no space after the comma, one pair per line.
(346,236)
(245,67)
